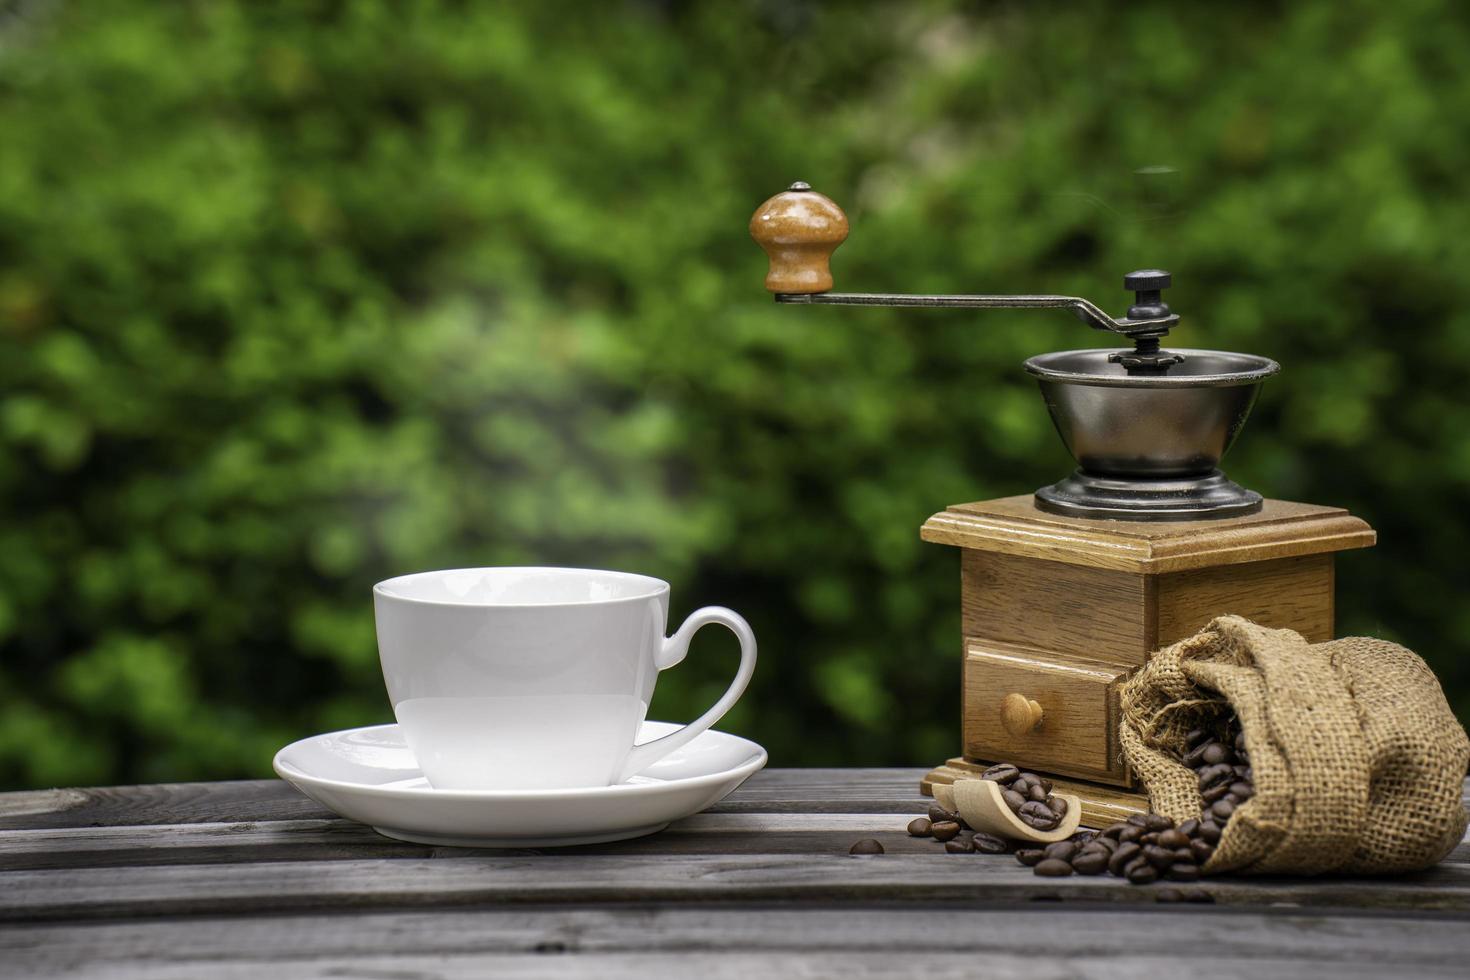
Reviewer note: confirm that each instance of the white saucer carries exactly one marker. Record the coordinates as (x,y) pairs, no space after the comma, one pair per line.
(370,775)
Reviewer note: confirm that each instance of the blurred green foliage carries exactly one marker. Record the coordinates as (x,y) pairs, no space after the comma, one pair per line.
(295,296)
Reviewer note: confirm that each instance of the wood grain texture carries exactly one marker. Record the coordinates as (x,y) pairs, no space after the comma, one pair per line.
(1079,703)
(745,942)
(339,840)
(1013,526)
(240,800)
(1285,593)
(761,887)
(1046,605)
(257,800)
(561,878)
(1102,804)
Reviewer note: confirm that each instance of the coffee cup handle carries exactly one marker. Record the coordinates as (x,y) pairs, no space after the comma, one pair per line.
(672,652)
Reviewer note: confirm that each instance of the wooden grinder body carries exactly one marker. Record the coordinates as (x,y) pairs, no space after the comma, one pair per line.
(1057,611)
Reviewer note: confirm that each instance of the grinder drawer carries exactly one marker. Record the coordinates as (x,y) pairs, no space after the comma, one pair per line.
(1043,710)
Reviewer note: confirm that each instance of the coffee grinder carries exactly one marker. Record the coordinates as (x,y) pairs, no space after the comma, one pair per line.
(1064,592)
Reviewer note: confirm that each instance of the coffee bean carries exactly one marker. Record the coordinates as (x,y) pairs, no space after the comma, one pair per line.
(1242,791)
(1222,810)
(990,844)
(945,830)
(1142,873)
(1196,737)
(1183,854)
(1194,758)
(1112,832)
(1183,872)
(1189,827)
(960,845)
(1158,857)
(1062,850)
(1217,792)
(866,846)
(1002,773)
(1209,831)
(1139,820)
(1044,824)
(1130,834)
(1122,857)
(938,814)
(919,827)
(1152,837)
(1054,868)
(1248,775)
(1031,777)
(1173,838)
(1202,850)
(1214,754)
(1211,775)
(1240,740)
(1030,856)
(1091,862)
(1083,837)
(1037,793)
(1013,799)
(1057,805)
(1157,821)
(1108,844)
(1035,814)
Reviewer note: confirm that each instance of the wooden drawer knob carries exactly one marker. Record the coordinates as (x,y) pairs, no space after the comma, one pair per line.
(1019,714)
(799,230)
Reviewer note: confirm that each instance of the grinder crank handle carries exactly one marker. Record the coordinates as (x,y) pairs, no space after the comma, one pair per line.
(799,230)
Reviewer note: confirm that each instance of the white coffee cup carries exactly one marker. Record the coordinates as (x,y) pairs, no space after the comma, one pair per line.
(536,678)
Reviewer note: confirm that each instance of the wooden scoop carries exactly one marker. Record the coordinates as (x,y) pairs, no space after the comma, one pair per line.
(983,808)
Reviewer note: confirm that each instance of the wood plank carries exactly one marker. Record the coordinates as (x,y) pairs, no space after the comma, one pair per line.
(342,840)
(254,801)
(745,942)
(328,840)
(744,964)
(112,806)
(1013,526)
(967,880)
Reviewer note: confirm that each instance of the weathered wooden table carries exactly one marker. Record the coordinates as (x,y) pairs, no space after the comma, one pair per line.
(253,879)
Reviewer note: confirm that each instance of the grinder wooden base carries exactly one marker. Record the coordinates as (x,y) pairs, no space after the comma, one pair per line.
(1057,612)
(1101,805)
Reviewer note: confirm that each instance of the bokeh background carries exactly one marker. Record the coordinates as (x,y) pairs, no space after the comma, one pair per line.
(295,296)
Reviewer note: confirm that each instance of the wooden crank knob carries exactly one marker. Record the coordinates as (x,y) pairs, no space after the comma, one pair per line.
(1019,714)
(799,230)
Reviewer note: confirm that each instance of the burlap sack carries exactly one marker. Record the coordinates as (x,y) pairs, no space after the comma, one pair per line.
(1357,759)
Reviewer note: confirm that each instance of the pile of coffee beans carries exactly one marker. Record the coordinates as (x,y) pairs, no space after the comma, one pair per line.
(1145,848)
(1029,796)
(1223,768)
(956,835)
